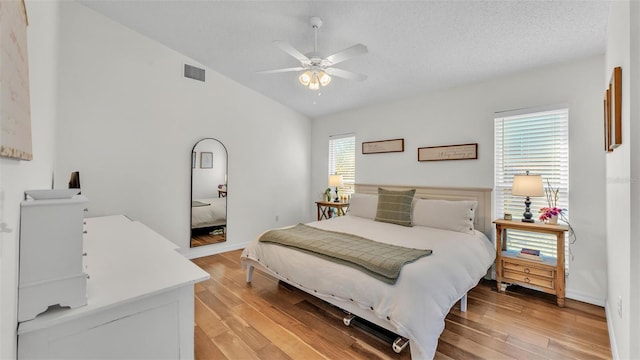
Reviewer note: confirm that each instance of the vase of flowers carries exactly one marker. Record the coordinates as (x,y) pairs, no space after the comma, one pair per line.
(551,213)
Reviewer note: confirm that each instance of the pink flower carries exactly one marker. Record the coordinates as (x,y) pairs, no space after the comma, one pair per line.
(548,213)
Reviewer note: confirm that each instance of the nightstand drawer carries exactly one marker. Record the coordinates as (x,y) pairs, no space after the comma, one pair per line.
(528,279)
(528,269)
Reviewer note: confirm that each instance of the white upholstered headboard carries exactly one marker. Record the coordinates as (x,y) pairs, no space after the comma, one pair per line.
(482,221)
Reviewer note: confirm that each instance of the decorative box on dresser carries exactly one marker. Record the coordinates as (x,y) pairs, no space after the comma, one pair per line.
(51,271)
(546,275)
(140,300)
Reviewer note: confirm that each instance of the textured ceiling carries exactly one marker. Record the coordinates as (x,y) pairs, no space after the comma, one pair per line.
(414,46)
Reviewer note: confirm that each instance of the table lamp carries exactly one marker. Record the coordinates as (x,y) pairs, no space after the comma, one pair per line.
(335,180)
(527,185)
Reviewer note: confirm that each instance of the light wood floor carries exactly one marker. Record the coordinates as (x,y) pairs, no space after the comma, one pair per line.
(207,239)
(265,320)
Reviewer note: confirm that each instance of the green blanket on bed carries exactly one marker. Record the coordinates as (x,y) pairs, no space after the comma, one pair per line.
(380,260)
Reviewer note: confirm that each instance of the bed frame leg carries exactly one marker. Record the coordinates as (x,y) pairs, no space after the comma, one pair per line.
(399,344)
(347,319)
(249,273)
(463,303)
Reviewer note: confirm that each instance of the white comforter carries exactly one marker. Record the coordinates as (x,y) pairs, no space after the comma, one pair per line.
(209,215)
(424,293)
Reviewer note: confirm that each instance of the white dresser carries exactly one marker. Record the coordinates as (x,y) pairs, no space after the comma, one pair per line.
(140,300)
(51,255)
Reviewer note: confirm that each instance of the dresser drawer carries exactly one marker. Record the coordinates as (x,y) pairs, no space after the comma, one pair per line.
(528,269)
(528,279)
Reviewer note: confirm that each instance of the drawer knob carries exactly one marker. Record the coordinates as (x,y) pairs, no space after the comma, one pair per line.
(526,270)
(84,231)
(527,280)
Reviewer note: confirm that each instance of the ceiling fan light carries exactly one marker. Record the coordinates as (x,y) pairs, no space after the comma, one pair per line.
(305,78)
(314,84)
(325,79)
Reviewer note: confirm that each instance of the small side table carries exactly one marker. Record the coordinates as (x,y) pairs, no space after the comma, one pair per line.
(546,276)
(324,206)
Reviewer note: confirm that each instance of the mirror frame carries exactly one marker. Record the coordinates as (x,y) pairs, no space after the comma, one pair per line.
(192,167)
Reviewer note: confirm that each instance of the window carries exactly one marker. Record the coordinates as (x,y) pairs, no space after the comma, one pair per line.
(536,140)
(342,160)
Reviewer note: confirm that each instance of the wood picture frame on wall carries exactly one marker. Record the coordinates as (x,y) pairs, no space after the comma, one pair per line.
(615,109)
(383,146)
(448,152)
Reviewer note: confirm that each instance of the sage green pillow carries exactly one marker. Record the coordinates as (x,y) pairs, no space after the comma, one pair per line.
(395,206)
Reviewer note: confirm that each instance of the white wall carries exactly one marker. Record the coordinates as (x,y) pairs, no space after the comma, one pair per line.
(128,120)
(622,186)
(634,128)
(465,115)
(18,176)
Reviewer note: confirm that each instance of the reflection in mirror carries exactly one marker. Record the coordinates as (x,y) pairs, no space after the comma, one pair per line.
(208,193)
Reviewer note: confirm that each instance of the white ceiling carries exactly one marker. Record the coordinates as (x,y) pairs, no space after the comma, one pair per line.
(414,46)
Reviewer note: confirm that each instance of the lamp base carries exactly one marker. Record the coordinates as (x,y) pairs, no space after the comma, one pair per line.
(527,216)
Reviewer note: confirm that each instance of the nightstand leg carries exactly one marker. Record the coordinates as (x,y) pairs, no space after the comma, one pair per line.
(502,287)
(560,302)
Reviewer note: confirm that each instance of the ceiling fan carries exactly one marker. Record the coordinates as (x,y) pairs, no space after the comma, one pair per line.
(317,70)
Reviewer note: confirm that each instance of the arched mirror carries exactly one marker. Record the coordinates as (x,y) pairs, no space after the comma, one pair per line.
(208,193)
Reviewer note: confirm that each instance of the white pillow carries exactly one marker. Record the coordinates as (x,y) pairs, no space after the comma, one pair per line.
(363,205)
(445,214)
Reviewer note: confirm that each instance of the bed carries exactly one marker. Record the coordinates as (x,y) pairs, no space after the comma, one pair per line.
(416,305)
(208,213)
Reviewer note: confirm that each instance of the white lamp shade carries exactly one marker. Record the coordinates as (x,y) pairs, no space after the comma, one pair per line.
(335,180)
(305,78)
(324,78)
(527,185)
(314,84)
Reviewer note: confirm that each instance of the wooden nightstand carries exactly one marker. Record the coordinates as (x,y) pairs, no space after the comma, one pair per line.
(546,276)
(323,206)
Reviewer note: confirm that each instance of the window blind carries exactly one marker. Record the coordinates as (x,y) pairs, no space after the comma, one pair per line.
(537,141)
(342,160)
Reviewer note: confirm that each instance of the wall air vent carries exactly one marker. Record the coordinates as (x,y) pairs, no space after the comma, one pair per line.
(193,72)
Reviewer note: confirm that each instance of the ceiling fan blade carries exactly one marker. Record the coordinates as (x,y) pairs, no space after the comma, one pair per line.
(347,54)
(286,47)
(280,70)
(345,74)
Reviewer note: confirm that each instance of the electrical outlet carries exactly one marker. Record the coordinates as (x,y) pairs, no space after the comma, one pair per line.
(620,306)
(277,217)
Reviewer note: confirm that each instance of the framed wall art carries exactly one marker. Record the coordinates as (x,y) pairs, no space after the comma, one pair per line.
(607,121)
(206,160)
(615,108)
(448,152)
(383,146)
(15,118)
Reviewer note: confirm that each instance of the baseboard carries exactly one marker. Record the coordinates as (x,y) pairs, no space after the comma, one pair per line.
(584,298)
(612,338)
(202,251)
